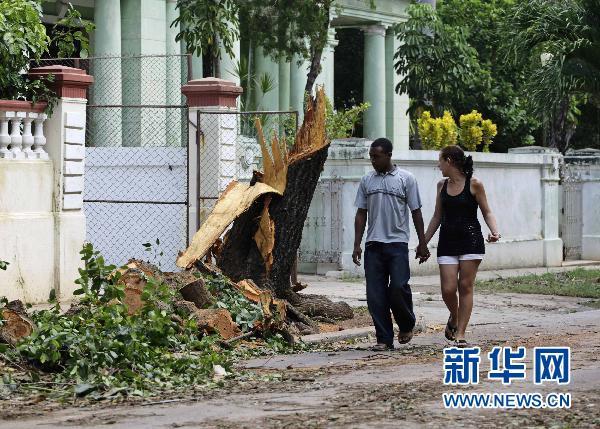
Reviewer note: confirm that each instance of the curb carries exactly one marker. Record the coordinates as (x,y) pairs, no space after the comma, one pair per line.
(331,337)
(353,333)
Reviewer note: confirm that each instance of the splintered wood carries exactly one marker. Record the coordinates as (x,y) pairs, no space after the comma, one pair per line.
(275,163)
(265,236)
(312,135)
(265,298)
(217,320)
(237,198)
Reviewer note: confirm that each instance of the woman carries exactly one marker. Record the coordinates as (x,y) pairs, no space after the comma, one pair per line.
(460,247)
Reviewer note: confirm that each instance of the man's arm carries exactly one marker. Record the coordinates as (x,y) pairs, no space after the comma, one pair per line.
(360,221)
(422,251)
(414,204)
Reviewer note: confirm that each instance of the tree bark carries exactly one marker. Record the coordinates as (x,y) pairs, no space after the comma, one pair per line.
(318,306)
(289,214)
(317,53)
(240,258)
(560,130)
(15,323)
(313,72)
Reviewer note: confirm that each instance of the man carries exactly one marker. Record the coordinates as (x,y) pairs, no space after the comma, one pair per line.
(385,197)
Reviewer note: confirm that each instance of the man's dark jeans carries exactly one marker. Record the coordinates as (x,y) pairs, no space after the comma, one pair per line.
(387,272)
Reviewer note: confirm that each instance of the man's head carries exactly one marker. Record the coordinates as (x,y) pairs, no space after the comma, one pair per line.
(381,154)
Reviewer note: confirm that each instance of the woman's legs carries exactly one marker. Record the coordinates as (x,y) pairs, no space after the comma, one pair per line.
(466,281)
(449,282)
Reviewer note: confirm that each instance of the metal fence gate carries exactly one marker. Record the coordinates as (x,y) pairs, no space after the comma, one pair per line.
(136,197)
(136,172)
(572,225)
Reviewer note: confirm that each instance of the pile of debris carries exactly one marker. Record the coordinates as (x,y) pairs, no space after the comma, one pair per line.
(195,300)
(198,302)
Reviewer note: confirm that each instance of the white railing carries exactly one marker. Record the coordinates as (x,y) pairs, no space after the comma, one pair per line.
(22,131)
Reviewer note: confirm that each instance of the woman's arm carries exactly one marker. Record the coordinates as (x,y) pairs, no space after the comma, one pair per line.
(436,219)
(478,191)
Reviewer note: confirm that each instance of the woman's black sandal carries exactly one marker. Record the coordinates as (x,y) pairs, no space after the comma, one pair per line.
(461,344)
(450,331)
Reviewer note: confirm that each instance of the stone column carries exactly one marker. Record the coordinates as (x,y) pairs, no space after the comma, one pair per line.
(298,74)
(107,73)
(327,65)
(374,82)
(65,137)
(582,171)
(550,166)
(264,64)
(553,245)
(212,161)
(397,120)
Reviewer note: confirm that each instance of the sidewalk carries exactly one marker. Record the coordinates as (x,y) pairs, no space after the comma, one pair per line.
(491,310)
(352,290)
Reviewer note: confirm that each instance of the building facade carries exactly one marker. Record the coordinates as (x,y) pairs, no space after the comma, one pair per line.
(140,28)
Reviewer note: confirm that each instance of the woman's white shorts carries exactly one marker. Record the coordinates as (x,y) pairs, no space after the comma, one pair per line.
(453,260)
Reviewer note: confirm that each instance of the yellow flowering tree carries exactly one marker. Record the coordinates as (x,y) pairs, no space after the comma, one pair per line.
(436,133)
(474,131)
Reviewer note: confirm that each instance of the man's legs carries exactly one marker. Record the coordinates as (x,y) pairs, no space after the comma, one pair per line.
(377,275)
(399,293)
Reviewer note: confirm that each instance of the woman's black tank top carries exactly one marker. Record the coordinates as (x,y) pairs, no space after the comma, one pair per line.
(460,232)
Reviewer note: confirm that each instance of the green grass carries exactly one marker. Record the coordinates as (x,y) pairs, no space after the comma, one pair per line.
(593,304)
(351,278)
(579,282)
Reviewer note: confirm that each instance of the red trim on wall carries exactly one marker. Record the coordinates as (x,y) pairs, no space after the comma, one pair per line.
(211,91)
(68,82)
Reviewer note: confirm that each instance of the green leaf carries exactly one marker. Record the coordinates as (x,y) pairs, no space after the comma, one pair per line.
(84,389)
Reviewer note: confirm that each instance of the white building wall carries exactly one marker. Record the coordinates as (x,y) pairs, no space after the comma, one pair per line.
(517,190)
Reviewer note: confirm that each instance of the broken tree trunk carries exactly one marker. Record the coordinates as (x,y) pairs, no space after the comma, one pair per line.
(191,287)
(268,215)
(217,320)
(240,256)
(15,323)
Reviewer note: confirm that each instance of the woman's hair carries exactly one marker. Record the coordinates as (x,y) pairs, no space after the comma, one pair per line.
(458,158)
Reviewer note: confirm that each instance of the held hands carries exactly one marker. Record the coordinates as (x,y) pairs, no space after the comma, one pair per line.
(423,253)
(356,255)
(493,237)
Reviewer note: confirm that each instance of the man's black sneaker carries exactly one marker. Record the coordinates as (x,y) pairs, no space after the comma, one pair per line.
(382,347)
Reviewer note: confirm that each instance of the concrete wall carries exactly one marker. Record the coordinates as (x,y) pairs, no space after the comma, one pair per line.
(42,225)
(522,191)
(27,229)
(582,168)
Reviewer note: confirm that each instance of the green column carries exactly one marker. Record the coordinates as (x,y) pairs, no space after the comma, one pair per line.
(175,63)
(106,123)
(389,85)
(229,63)
(196,63)
(265,65)
(397,121)
(144,32)
(298,72)
(327,65)
(374,82)
(284,84)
